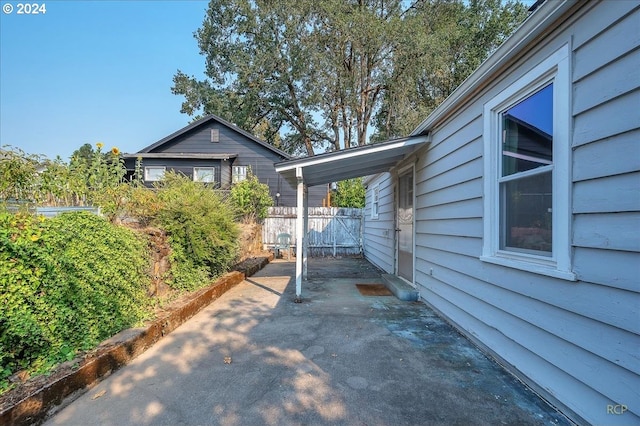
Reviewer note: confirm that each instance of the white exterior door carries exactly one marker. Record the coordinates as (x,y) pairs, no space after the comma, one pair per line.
(404,221)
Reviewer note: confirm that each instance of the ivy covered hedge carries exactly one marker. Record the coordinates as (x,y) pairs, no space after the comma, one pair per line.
(66,284)
(69,282)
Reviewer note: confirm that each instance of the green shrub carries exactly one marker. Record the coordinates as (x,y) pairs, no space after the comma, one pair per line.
(66,284)
(142,203)
(107,264)
(251,199)
(201,230)
(17,173)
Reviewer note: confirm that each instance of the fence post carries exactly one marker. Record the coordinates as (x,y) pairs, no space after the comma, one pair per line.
(333,231)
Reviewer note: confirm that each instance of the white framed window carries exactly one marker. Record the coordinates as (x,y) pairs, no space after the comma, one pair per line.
(238,174)
(204,174)
(375,202)
(154,173)
(527,179)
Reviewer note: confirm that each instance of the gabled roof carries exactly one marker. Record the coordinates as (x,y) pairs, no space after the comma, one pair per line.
(204,121)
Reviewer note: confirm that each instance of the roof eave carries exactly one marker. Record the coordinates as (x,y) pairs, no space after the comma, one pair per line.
(351,152)
(180,155)
(349,163)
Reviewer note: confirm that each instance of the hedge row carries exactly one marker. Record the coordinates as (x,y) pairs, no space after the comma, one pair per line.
(66,284)
(69,282)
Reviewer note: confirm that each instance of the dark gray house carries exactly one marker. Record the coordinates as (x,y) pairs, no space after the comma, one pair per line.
(214,151)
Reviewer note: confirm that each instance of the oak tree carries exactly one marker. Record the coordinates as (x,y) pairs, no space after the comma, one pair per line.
(313,75)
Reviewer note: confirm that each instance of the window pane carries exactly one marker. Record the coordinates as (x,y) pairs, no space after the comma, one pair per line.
(203,174)
(526,214)
(239,174)
(153,173)
(528,133)
(375,203)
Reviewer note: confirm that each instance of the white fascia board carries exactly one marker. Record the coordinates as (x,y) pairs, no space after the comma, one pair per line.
(350,153)
(532,27)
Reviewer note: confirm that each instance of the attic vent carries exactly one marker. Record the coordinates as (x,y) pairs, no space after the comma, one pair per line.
(215,135)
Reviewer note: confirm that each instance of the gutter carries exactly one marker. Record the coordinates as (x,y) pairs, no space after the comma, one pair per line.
(180,155)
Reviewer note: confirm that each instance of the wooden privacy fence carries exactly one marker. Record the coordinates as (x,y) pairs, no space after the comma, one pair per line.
(332,231)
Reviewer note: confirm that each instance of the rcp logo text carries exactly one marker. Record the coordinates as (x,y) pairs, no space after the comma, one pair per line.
(616,409)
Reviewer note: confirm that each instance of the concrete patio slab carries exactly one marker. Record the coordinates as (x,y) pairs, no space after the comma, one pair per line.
(254,357)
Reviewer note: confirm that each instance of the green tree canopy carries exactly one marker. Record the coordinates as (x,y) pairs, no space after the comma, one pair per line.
(83,155)
(452,38)
(350,193)
(321,74)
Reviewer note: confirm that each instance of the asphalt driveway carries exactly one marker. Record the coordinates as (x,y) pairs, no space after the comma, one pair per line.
(254,357)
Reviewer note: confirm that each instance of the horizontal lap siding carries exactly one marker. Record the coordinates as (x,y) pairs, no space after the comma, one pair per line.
(611,268)
(607,231)
(606,164)
(606,196)
(536,352)
(249,153)
(622,113)
(611,194)
(462,209)
(379,234)
(518,356)
(602,159)
(577,342)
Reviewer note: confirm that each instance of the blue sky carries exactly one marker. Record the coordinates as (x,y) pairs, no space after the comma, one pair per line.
(95,71)
(92,71)
(535,111)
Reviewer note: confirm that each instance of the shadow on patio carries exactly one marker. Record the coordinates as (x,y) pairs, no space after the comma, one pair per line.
(255,357)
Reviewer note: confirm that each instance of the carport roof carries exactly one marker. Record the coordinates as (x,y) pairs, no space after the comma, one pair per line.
(349,163)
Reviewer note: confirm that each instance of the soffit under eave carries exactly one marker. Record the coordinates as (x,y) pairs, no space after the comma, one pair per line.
(363,161)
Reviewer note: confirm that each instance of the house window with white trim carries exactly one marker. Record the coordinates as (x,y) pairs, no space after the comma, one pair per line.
(375,202)
(238,174)
(204,174)
(154,173)
(527,162)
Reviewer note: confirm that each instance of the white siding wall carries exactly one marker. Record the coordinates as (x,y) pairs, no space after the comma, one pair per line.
(379,234)
(578,343)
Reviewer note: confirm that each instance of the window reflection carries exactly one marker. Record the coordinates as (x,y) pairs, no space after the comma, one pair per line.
(527,133)
(526,199)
